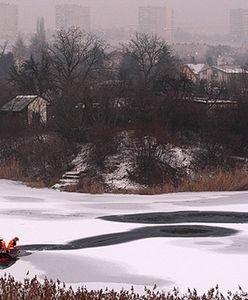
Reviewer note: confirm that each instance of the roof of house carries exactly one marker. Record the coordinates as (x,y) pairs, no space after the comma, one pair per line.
(196,68)
(230,69)
(19,103)
(227,69)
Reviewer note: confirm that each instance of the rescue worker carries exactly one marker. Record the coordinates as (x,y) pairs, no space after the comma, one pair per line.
(12,243)
(2,245)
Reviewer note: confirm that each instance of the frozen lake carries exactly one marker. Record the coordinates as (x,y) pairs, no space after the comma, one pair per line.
(194,240)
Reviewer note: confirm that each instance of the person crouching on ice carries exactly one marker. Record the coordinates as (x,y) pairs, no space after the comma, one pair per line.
(12,244)
(2,245)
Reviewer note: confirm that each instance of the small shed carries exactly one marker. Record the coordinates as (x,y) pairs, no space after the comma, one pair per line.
(28,109)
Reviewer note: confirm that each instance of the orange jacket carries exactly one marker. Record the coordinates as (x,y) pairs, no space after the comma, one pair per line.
(2,245)
(11,244)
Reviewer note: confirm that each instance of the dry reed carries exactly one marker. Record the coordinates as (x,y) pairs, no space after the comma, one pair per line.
(11,170)
(87,185)
(33,289)
(220,180)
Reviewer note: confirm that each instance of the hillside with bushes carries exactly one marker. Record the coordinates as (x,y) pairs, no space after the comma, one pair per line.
(126,120)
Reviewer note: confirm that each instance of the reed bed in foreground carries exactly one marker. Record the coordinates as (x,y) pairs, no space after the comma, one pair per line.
(33,289)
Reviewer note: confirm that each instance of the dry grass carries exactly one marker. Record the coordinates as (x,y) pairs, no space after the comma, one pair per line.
(32,289)
(236,180)
(87,185)
(11,170)
(220,180)
(36,184)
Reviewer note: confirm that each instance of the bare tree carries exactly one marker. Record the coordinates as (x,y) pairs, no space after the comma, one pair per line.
(33,77)
(39,43)
(75,56)
(6,60)
(20,50)
(148,57)
(3,48)
(151,167)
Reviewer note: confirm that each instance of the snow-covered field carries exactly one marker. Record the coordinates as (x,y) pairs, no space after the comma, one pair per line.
(48,217)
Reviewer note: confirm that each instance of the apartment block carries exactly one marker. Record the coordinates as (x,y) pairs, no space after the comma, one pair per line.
(72,15)
(157,20)
(8,21)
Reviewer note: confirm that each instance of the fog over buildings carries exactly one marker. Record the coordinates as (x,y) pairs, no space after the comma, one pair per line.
(193,15)
(68,15)
(8,21)
(158,20)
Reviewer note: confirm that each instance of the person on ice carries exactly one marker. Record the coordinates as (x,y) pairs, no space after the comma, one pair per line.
(2,245)
(12,243)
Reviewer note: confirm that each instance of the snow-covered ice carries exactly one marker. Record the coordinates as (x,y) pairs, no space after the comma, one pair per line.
(43,216)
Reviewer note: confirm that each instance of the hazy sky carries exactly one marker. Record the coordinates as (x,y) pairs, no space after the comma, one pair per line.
(212,15)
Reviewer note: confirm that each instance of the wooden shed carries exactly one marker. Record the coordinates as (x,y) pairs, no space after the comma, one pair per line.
(27,109)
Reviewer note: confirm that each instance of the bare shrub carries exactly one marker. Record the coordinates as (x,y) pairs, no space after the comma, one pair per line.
(213,156)
(104,142)
(12,126)
(150,167)
(41,158)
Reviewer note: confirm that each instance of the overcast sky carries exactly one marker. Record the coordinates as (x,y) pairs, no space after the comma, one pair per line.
(211,15)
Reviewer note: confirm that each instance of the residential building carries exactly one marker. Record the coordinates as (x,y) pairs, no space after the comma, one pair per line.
(73,15)
(239,24)
(157,20)
(223,73)
(8,21)
(192,71)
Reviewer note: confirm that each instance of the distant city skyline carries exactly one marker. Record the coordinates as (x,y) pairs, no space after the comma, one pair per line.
(8,21)
(157,20)
(239,24)
(68,15)
(205,16)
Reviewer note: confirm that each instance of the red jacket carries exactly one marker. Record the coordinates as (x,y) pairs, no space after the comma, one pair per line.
(2,245)
(11,244)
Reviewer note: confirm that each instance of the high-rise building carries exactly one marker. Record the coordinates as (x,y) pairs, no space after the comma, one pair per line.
(239,23)
(157,20)
(72,15)
(8,21)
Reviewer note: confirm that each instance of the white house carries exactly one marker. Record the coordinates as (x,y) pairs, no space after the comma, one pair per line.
(222,73)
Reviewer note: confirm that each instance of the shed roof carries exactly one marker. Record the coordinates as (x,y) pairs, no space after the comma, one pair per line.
(19,103)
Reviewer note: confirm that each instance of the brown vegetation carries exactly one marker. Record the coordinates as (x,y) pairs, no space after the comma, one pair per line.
(33,289)
(11,169)
(87,185)
(220,180)
(95,98)
(38,159)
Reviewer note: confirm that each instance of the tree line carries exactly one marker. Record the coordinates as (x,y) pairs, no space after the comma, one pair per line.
(96,92)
